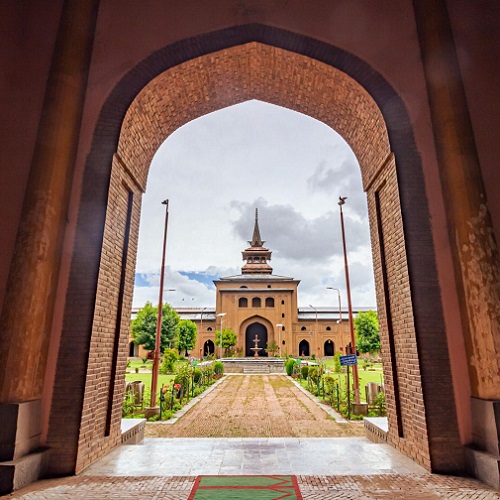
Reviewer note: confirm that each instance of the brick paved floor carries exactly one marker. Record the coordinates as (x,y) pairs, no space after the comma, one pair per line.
(395,487)
(256,406)
(262,407)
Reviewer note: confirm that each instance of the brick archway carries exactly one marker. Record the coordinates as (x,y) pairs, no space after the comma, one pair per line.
(188,80)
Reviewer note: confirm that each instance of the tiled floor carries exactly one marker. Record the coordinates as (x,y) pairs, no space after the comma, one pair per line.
(299,456)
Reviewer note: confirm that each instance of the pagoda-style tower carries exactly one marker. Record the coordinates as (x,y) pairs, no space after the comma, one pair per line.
(256,256)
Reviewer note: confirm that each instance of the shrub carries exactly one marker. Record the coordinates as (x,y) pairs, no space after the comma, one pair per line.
(314,374)
(304,370)
(379,404)
(329,383)
(290,363)
(208,374)
(169,359)
(128,405)
(218,368)
(167,414)
(183,376)
(197,374)
(337,368)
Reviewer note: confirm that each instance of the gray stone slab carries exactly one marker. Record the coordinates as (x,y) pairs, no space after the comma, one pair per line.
(304,456)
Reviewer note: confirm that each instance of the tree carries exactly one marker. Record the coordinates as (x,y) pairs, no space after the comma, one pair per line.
(272,347)
(228,339)
(187,335)
(367,332)
(144,327)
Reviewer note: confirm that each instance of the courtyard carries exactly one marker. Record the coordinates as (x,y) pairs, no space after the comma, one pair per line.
(256,406)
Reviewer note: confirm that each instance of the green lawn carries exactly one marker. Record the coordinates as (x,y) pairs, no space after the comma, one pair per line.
(369,375)
(146,379)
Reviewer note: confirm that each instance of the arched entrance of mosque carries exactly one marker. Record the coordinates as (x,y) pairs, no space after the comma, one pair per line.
(304,348)
(255,330)
(131,349)
(151,102)
(208,347)
(328,348)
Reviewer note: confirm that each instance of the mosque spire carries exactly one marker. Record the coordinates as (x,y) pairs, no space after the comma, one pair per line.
(256,239)
(256,256)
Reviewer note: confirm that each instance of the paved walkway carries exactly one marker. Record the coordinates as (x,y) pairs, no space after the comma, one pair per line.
(261,407)
(256,406)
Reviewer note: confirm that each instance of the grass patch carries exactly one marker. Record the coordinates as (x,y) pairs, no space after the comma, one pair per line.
(145,378)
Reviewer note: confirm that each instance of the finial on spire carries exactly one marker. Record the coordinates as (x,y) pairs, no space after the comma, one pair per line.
(256,239)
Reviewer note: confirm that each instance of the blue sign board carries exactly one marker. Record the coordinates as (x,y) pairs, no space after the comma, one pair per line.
(350,359)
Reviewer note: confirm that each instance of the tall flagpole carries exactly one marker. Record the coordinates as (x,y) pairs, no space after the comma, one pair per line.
(349,302)
(156,358)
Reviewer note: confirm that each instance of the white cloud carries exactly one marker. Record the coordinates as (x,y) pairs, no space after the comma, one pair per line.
(216,170)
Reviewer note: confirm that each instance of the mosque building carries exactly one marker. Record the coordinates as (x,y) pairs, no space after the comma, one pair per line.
(259,304)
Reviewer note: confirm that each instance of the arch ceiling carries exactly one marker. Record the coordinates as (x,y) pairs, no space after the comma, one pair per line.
(252,71)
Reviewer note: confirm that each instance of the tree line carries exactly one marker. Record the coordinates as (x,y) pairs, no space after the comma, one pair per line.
(181,334)
(176,333)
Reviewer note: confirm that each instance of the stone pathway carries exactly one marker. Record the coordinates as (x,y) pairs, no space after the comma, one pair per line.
(256,406)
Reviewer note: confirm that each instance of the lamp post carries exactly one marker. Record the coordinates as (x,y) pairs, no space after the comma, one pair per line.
(349,303)
(340,315)
(221,315)
(316,326)
(280,326)
(153,409)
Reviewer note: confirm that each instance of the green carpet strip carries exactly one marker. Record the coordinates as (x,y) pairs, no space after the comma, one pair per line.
(245,488)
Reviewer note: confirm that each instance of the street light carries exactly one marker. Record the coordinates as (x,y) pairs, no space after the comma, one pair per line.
(153,409)
(221,315)
(280,326)
(340,315)
(349,303)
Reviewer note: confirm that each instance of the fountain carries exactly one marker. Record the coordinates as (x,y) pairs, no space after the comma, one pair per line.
(256,349)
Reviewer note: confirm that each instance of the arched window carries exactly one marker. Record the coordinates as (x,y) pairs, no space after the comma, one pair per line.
(282,302)
(256,302)
(269,302)
(209,329)
(268,286)
(243,286)
(243,302)
(328,328)
(303,329)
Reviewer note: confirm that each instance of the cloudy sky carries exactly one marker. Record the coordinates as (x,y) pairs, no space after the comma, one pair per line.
(217,170)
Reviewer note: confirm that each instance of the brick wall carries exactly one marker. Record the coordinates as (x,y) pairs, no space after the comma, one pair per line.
(148,105)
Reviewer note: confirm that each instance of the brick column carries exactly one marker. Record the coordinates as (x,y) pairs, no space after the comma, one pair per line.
(26,317)
(472,237)
(474,248)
